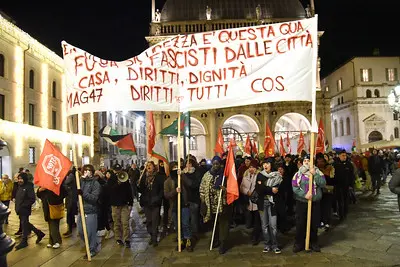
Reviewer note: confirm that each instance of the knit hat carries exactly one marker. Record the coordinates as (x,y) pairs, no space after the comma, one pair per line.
(216,158)
(268,160)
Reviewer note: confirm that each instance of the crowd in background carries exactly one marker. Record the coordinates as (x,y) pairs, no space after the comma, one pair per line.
(273,198)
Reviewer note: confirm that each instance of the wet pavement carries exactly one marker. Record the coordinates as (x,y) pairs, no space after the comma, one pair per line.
(370,236)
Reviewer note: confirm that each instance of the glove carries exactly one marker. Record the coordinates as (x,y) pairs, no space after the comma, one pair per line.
(80,192)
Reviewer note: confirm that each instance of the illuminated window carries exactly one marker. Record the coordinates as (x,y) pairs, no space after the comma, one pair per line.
(366,75)
(31,79)
(339,85)
(54,89)
(31,114)
(2,65)
(2,108)
(391,75)
(32,154)
(327,89)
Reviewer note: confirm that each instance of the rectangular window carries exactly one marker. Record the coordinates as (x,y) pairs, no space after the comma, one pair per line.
(395,116)
(366,75)
(54,119)
(54,89)
(84,127)
(32,155)
(31,114)
(71,155)
(339,85)
(391,75)
(193,143)
(2,108)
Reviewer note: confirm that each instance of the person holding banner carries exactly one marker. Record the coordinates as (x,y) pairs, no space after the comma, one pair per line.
(151,186)
(90,192)
(302,195)
(210,188)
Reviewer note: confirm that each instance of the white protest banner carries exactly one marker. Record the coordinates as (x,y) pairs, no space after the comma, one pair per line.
(225,68)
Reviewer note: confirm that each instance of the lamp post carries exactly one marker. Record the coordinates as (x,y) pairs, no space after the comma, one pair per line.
(394,99)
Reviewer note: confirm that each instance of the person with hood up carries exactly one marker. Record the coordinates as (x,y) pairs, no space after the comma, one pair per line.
(24,199)
(300,184)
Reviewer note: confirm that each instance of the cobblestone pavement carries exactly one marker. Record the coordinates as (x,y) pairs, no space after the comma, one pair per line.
(370,236)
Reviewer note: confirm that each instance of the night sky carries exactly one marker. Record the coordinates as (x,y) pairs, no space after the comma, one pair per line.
(116,32)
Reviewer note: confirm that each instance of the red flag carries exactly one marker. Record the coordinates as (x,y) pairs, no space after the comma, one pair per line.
(300,144)
(320,147)
(219,145)
(269,142)
(254,148)
(126,143)
(282,148)
(247,147)
(289,148)
(51,168)
(152,134)
(232,188)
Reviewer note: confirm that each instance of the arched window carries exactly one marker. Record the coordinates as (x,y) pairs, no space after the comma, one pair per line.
(374,136)
(369,94)
(335,127)
(31,79)
(396,132)
(54,89)
(348,130)
(377,93)
(341,128)
(2,65)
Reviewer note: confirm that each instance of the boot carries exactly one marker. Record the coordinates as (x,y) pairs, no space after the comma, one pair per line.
(23,244)
(189,246)
(40,236)
(68,233)
(222,248)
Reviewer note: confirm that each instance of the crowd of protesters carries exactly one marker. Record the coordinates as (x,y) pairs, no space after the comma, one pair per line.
(274,195)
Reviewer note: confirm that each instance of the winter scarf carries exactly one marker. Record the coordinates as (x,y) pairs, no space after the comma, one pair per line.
(274,179)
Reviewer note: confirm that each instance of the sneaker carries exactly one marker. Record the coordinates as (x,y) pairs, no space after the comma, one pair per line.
(119,242)
(127,244)
(321,225)
(327,227)
(277,251)
(49,246)
(56,245)
(266,249)
(40,237)
(189,247)
(110,234)
(101,233)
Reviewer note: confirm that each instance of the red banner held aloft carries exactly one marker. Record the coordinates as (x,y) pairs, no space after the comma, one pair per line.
(52,168)
(219,145)
(232,188)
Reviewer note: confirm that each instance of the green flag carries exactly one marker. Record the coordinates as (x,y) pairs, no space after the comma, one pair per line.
(173,128)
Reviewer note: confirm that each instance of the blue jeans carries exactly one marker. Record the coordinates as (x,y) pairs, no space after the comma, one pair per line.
(185,221)
(269,225)
(91,228)
(194,217)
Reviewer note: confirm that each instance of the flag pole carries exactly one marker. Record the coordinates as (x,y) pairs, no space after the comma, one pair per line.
(179,181)
(216,215)
(78,186)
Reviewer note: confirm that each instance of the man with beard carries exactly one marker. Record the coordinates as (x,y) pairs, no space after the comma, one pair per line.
(302,194)
(24,199)
(210,188)
(151,186)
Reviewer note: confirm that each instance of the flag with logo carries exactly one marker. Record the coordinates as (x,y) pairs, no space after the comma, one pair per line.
(281,147)
(320,147)
(51,168)
(124,142)
(269,142)
(219,145)
(254,148)
(232,188)
(247,146)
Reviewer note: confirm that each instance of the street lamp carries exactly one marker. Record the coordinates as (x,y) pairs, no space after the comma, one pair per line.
(394,99)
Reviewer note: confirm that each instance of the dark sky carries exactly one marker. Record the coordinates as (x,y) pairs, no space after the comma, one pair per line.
(117,29)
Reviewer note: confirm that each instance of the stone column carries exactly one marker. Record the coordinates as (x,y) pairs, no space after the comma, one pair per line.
(212,133)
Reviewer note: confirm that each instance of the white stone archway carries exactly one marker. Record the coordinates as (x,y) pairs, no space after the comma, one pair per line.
(197,141)
(291,124)
(238,127)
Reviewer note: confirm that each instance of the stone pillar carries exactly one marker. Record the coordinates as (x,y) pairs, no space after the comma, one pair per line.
(212,133)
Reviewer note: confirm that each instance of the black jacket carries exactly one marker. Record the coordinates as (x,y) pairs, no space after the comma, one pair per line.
(152,195)
(344,174)
(48,197)
(24,199)
(120,194)
(192,182)
(375,165)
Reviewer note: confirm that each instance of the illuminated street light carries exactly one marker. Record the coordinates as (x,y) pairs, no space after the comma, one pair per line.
(394,99)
